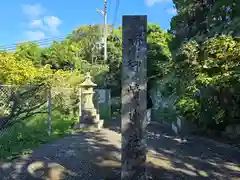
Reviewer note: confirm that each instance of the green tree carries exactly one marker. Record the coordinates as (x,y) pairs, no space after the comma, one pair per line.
(89,39)
(159,55)
(114,61)
(29,51)
(198,20)
(62,55)
(205,61)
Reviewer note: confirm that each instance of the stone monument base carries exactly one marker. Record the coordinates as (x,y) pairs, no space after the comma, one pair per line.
(96,125)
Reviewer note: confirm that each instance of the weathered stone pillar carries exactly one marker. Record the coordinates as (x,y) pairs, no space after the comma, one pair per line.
(134,105)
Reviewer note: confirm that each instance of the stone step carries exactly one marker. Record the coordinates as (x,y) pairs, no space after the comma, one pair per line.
(97,118)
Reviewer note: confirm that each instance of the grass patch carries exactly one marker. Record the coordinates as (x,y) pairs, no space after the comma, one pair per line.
(30,133)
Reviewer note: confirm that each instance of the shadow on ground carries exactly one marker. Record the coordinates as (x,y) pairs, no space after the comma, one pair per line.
(172,157)
(85,155)
(96,155)
(192,157)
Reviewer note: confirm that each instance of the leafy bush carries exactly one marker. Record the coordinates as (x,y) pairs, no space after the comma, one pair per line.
(210,82)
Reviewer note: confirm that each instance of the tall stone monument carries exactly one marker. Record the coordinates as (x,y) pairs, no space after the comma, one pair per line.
(90,118)
(134,105)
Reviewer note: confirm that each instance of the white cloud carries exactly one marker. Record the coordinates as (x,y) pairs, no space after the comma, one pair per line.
(52,23)
(47,23)
(36,23)
(34,35)
(40,23)
(172,11)
(152,2)
(33,11)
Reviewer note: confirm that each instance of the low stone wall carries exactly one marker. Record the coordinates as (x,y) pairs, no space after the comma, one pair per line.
(181,126)
(232,131)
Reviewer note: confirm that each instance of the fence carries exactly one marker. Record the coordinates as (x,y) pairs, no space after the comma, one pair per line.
(48,105)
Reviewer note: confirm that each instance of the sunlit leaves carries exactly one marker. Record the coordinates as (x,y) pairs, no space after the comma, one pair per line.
(16,71)
(215,75)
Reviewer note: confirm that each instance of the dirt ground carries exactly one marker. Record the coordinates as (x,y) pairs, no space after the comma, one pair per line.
(96,155)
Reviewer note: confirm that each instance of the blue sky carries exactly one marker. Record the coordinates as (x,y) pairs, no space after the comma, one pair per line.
(28,20)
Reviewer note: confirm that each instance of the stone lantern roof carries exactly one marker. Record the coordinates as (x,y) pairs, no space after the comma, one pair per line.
(88,81)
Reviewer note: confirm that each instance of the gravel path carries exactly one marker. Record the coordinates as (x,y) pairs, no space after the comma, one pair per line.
(85,155)
(96,155)
(192,158)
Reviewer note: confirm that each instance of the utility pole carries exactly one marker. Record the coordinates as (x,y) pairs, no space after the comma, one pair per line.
(104,14)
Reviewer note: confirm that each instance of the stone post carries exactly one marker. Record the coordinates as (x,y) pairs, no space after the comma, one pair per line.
(49,104)
(134,105)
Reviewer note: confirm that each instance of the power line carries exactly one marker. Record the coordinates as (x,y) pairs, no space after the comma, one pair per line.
(115,12)
(108,8)
(42,42)
(46,43)
(35,41)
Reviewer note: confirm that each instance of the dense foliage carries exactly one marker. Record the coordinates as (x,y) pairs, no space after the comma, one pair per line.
(205,51)
(203,19)
(210,75)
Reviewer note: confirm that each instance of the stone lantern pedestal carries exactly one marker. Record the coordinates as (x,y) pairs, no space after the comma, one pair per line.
(90,118)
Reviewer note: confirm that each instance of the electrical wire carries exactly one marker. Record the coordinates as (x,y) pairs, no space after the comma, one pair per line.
(115,17)
(115,12)
(108,7)
(42,42)
(35,41)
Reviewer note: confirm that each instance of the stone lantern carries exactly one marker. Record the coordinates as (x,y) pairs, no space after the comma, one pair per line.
(90,118)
